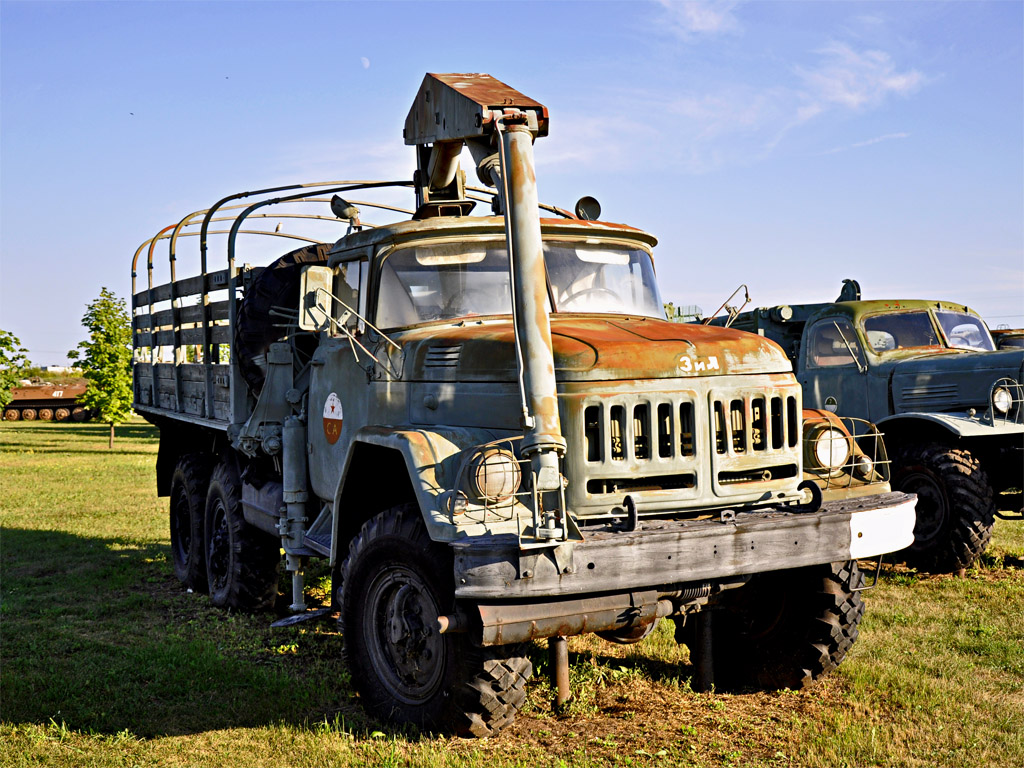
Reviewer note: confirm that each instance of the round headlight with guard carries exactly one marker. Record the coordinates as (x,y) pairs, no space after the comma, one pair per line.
(863,466)
(831,448)
(494,475)
(1002,400)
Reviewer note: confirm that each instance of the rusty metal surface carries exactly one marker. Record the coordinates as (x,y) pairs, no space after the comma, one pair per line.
(667,552)
(598,347)
(455,106)
(518,622)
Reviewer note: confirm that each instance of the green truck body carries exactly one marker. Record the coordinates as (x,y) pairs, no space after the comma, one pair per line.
(929,375)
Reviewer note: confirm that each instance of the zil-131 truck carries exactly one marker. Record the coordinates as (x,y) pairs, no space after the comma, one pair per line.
(488,428)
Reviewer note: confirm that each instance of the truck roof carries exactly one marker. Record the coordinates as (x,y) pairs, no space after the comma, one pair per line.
(470,225)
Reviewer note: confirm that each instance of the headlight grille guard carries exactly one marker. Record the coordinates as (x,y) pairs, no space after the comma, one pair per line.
(1015,413)
(548,524)
(868,462)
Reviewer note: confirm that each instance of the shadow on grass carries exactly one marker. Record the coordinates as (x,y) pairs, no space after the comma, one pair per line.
(98,634)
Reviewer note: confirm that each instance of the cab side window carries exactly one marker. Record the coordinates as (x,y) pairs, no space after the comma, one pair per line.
(832,343)
(351,290)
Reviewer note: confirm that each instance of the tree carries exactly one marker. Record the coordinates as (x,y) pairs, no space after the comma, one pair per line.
(12,365)
(106,360)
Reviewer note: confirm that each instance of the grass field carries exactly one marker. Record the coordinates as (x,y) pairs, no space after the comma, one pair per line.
(106,661)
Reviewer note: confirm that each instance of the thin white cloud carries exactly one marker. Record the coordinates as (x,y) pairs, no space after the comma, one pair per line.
(856,79)
(868,143)
(694,18)
(730,123)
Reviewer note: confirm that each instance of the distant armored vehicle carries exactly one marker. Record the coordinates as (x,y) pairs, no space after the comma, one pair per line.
(488,427)
(928,374)
(47,401)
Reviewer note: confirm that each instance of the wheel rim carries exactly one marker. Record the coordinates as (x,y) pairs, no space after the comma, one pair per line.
(932,509)
(407,652)
(181,526)
(61,414)
(46,415)
(219,547)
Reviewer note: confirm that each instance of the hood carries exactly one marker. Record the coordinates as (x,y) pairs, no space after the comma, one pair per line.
(952,382)
(591,348)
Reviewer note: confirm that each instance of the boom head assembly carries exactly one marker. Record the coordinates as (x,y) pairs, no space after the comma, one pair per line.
(454,109)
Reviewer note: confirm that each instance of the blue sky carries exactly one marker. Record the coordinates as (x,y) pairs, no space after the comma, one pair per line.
(783,145)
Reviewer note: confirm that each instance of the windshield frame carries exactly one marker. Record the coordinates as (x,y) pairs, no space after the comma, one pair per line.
(937,328)
(495,241)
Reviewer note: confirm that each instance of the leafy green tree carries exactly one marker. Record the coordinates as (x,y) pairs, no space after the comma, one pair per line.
(106,360)
(13,364)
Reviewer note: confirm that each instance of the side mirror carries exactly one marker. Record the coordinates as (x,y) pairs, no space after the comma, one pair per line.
(315,298)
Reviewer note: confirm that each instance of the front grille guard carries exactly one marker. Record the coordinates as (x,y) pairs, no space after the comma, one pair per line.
(464,504)
(1015,413)
(867,464)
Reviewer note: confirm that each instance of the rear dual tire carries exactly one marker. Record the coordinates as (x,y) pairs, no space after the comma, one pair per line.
(213,548)
(188,502)
(242,562)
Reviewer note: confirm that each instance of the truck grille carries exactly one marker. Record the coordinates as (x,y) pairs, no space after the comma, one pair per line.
(756,439)
(624,432)
(755,424)
(685,447)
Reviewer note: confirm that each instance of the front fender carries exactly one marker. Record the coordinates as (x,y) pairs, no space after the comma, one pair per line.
(959,424)
(428,457)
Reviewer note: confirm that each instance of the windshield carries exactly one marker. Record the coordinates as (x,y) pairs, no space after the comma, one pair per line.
(965,331)
(909,330)
(443,281)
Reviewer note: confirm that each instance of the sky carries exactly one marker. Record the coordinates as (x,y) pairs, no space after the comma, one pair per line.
(783,145)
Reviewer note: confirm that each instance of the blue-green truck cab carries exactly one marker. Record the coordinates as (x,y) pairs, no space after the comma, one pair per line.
(929,375)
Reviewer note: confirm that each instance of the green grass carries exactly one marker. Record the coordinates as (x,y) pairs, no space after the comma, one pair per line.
(106,661)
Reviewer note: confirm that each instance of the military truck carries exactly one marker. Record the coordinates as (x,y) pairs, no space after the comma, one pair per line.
(47,401)
(928,374)
(1008,338)
(488,428)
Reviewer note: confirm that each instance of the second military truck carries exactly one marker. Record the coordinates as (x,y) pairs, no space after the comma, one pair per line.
(950,405)
(489,429)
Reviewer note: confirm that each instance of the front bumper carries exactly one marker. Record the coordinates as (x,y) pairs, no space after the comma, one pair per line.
(664,553)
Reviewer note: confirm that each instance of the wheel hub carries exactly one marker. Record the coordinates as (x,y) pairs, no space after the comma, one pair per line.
(405,649)
(931,508)
(220,543)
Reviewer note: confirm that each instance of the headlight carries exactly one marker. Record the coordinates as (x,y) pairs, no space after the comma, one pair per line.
(863,466)
(494,475)
(831,448)
(1002,400)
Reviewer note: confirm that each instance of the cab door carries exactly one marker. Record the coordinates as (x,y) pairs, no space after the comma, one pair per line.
(833,368)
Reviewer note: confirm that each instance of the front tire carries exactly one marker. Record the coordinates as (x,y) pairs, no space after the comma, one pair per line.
(395,583)
(955,507)
(241,561)
(187,512)
(786,629)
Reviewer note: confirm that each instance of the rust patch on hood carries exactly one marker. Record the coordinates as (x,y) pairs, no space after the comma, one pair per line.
(593,348)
